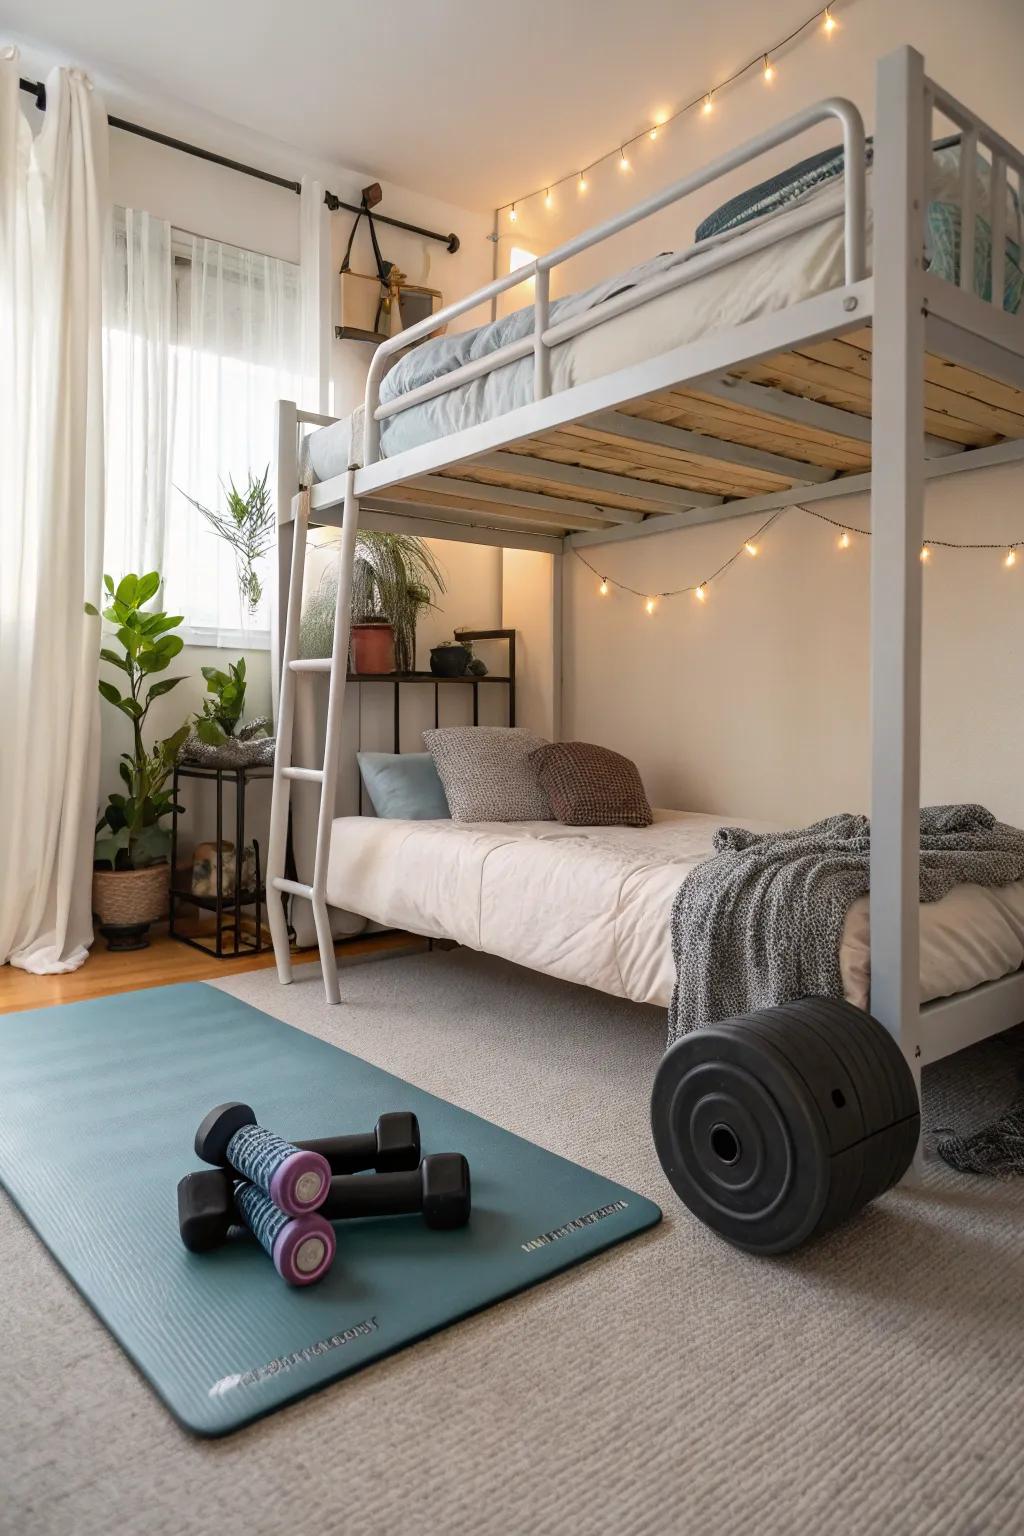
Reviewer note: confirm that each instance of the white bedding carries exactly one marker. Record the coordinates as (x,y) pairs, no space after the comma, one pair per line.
(592,904)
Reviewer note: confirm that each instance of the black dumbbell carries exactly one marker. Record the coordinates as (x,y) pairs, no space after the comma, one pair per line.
(439,1188)
(205,1199)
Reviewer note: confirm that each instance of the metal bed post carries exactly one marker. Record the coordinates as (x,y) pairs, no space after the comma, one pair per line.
(897,524)
(286,483)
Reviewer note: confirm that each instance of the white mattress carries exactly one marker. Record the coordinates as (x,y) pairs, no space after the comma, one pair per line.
(592,904)
(802,264)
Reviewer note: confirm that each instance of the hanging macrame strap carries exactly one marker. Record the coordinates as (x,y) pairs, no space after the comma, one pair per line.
(383,267)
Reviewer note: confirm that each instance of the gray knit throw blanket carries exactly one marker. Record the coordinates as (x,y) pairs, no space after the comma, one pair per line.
(760,922)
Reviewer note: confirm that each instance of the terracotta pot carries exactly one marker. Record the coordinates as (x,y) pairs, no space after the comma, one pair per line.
(373,649)
(126,901)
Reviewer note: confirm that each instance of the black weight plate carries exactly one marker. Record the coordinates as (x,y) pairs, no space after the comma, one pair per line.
(821,1068)
(740,1138)
(875,1097)
(888,1071)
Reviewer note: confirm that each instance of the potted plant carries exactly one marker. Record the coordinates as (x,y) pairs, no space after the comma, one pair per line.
(131,870)
(394,578)
(216,738)
(247,526)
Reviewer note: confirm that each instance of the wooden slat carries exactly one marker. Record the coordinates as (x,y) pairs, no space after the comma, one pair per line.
(753,429)
(963,381)
(521,517)
(471,474)
(731,479)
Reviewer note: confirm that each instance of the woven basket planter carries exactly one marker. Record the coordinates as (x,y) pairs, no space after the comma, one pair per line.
(126,901)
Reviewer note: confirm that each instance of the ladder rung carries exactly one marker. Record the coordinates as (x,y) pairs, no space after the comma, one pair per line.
(317,664)
(292,887)
(304,775)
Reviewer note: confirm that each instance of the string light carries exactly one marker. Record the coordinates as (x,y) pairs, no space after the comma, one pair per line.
(751,546)
(512,215)
(821,19)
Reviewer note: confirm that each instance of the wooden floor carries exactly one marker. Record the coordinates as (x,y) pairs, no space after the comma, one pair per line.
(166,961)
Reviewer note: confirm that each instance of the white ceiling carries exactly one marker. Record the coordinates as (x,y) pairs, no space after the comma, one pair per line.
(472,101)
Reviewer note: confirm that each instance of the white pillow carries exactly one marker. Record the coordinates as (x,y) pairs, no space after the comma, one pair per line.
(486,773)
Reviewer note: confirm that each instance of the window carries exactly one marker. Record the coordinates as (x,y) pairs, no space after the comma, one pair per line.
(202,339)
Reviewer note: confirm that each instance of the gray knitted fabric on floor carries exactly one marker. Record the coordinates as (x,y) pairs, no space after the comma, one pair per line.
(996,1149)
(760,923)
(870,1386)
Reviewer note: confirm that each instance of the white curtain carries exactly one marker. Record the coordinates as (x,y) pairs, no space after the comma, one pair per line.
(53,209)
(237,349)
(137,362)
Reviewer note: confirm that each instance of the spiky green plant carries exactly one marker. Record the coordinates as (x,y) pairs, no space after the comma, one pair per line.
(394,578)
(247,526)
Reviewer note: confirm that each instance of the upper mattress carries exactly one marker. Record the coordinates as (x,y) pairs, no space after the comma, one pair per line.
(592,904)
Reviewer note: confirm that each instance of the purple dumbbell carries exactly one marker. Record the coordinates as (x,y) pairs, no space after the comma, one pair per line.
(302,1247)
(296,1180)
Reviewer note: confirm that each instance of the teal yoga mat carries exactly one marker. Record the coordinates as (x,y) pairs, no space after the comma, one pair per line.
(99,1102)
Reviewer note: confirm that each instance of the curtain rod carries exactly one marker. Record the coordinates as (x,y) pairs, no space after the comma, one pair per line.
(37,89)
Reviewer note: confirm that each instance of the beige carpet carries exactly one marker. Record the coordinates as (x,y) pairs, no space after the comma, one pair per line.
(872,1384)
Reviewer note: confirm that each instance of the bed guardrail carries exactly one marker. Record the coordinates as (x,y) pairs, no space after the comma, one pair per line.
(706,256)
(977,135)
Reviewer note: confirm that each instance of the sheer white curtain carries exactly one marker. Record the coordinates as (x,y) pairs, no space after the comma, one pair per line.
(237,349)
(137,361)
(53,208)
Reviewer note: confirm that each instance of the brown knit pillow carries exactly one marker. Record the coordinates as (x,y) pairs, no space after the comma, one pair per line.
(589,786)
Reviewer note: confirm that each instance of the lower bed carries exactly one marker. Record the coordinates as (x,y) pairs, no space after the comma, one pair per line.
(592,904)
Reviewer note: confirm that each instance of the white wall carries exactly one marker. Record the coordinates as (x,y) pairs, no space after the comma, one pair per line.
(757,702)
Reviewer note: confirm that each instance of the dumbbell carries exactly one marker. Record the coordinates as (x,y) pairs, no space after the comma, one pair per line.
(439,1187)
(301,1247)
(296,1181)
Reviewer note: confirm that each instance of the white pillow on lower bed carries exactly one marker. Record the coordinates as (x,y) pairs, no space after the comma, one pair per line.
(486,773)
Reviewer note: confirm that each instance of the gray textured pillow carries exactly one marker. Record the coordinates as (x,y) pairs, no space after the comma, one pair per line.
(485,772)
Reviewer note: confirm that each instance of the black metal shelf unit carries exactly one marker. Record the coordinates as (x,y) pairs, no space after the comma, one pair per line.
(228,941)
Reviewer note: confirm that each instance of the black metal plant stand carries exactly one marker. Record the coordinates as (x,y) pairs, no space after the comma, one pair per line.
(228,940)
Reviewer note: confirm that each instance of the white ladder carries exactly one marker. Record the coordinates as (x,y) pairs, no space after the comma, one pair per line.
(285,775)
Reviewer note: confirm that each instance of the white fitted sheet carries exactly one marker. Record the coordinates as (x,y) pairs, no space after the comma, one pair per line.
(592,904)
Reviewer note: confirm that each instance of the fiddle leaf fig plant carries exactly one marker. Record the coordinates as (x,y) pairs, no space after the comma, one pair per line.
(128,833)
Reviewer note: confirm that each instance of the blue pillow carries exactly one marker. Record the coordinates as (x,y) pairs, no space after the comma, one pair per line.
(403,786)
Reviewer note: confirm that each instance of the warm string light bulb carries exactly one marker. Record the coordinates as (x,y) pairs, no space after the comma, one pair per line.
(769,70)
(844,540)
(659,122)
(512,215)
(926,554)
(829,24)
(650,605)
(1011,558)
(750,548)
(582,185)
(700,593)
(603,588)
(548,199)
(709,105)
(623,161)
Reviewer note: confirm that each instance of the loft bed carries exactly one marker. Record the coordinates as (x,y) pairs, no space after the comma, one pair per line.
(670,399)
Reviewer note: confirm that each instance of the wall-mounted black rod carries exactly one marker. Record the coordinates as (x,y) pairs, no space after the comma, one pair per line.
(37,89)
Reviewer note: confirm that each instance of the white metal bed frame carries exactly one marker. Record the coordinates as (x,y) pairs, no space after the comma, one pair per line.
(912,313)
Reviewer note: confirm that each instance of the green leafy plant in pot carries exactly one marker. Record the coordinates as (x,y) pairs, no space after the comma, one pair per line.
(395,577)
(131,870)
(217,738)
